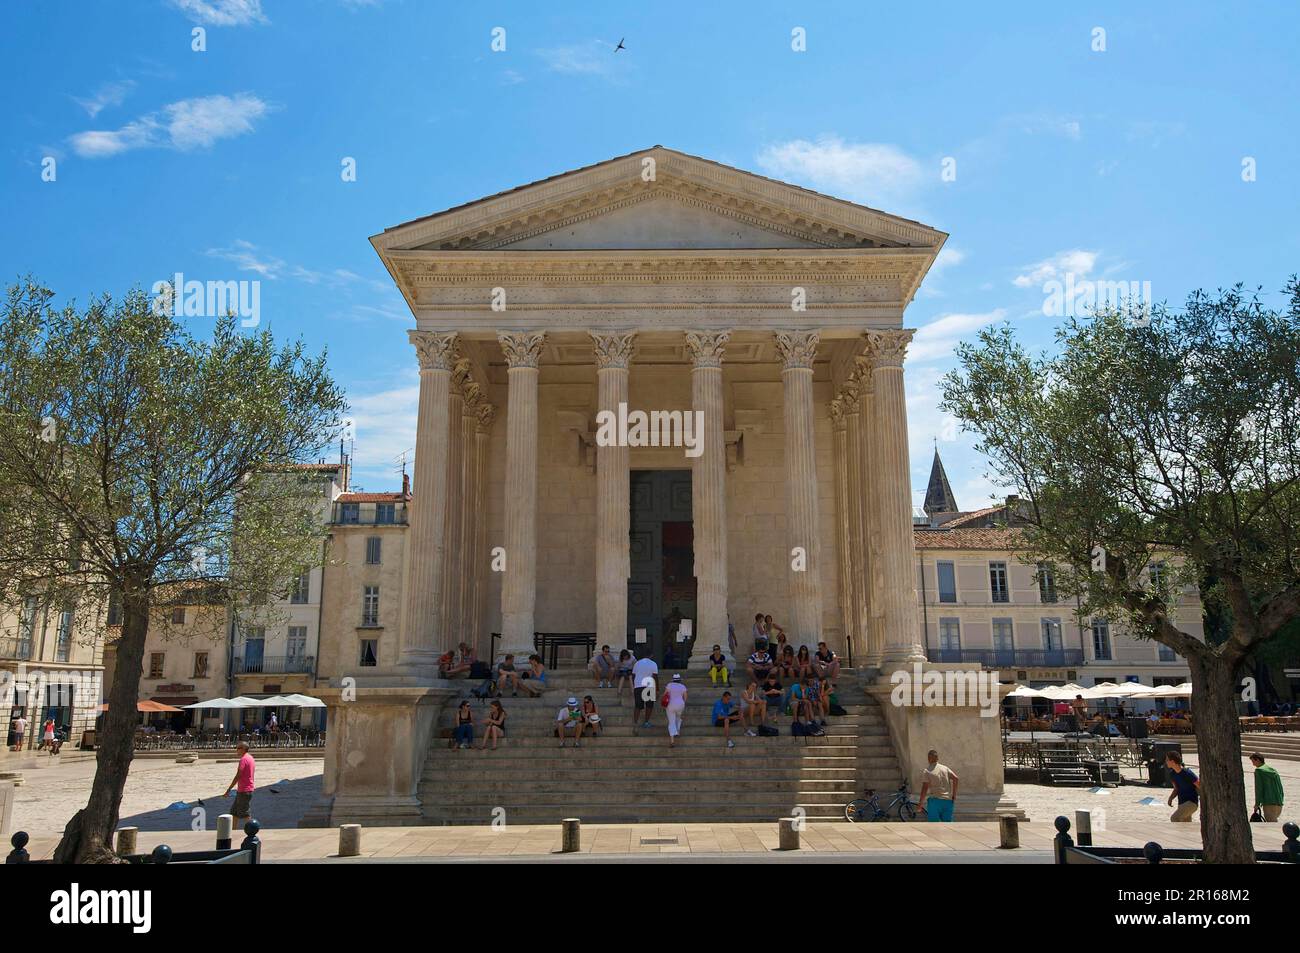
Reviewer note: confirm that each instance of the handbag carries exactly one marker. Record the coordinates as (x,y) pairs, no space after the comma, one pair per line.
(664,701)
(1257,816)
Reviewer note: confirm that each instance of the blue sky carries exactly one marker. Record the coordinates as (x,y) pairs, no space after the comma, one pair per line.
(1124,163)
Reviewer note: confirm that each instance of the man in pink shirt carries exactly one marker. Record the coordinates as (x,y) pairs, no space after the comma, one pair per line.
(243,786)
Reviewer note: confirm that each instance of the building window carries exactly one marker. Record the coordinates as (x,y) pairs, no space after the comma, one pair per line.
(384,513)
(950,635)
(998,582)
(200,665)
(1157,572)
(374,550)
(156,664)
(369,653)
(1052,635)
(27,620)
(63,644)
(1004,635)
(301,589)
(947,582)
(254,648)
(1165,653)
(370,606)
(350,513)
(1046,583)
(1101,640)
(297,641)
(178,615)
(114,609)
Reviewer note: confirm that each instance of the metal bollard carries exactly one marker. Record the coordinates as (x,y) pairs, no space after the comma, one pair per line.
(126,838)
(349,840)
(1009,831)
(225,828)
(789,833)
(251,841)
(571,838)
(1083,828)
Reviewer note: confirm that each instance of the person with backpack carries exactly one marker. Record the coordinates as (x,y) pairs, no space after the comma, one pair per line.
(674,702)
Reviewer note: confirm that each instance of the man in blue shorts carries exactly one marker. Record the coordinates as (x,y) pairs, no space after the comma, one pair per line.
(939,783)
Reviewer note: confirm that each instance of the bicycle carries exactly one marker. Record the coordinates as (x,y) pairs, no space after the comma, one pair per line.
(868,808)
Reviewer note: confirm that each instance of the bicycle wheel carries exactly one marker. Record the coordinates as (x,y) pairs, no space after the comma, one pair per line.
(906,811)
(856,810)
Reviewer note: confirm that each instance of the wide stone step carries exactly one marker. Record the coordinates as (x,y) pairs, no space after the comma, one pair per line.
(629,769)
(771,811)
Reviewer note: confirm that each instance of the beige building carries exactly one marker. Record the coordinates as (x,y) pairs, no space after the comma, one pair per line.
(652,384)
(186,654)
(982,603)
(51,666)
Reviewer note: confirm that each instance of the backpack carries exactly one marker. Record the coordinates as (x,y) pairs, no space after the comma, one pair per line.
(768,731)
(837,709)
(480,670)
(484,691)
(815,730)
(798,729)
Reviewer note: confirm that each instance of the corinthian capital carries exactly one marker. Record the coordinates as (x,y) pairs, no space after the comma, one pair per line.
(797,348)
(888,348)
(837,414)
(613,350)
(486,414)
(473,395)
(706,347)
(460,375)
(436,351)
(522,348)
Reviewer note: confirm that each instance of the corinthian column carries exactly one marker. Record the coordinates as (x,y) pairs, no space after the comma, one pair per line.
(844,567)
(852,515)
(469,519)
(797,350)
(479,565)
(453,563)
(422,587)
(613,509)
(872,620)
(886,350)
(522,349)
(709,493)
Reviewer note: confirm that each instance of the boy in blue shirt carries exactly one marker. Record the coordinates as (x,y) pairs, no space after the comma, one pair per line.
(724,714)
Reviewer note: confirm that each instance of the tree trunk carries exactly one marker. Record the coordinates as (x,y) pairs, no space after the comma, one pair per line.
(1225,821)
(88,836)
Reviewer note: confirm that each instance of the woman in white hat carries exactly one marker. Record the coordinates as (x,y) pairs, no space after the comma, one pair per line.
(675,703)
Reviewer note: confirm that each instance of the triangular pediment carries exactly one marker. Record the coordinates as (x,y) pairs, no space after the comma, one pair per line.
(657,199)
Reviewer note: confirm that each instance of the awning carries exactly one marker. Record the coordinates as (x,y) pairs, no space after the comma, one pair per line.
(178,700)
(147,705)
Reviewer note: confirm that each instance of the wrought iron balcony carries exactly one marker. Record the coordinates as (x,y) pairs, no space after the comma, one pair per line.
(273,665)
(1009,658)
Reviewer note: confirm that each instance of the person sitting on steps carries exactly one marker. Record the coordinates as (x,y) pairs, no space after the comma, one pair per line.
(725,715)
(569,719)
(591,716)
(495,728)
(754,707)
(625,662)
(535,683)
(718,667)
(602,667)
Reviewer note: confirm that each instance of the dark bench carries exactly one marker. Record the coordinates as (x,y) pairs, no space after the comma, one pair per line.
(553,640)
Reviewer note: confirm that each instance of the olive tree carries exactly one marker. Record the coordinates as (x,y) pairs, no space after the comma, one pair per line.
(1161,437)
(136,458)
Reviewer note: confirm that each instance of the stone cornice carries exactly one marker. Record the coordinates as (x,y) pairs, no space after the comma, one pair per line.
(707,347)
(797,349)
(522,348)
(436,351)
(613,349)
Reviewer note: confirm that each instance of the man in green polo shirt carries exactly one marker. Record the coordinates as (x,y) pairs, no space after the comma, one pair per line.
(1268,788)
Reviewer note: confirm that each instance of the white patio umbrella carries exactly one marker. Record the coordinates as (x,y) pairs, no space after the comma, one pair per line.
(1115,690)
(1024,691)
(303,701)
(223,703)
(1063,692)
(243,701)
(276,701)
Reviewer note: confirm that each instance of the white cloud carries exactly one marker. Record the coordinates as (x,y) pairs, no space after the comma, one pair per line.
(936,340)
(867,172)
(593,58)
(222,12)
(1075,261)
(384,424)
(1046,124)
(183,125)
(110,94)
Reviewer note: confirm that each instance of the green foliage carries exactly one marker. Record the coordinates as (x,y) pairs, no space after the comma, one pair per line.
(1172,435)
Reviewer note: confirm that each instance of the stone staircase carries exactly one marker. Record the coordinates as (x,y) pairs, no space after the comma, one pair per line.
(1273,745)
(629,775)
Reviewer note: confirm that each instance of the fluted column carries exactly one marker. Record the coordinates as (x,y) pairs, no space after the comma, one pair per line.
(797,350)
(453,563)
(872,622)
(853,514)
(523,350)
(894,486)
(709,493)
(468,521)
(844,569)
(613,506)
(422,587)
(480,565)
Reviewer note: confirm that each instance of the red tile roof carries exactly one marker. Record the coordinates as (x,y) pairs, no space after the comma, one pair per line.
(371,498)
(998,538)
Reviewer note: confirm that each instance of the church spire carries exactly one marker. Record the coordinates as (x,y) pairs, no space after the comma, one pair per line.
(938,495)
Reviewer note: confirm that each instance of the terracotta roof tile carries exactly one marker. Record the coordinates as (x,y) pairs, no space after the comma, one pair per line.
(371,498)
(976,537)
